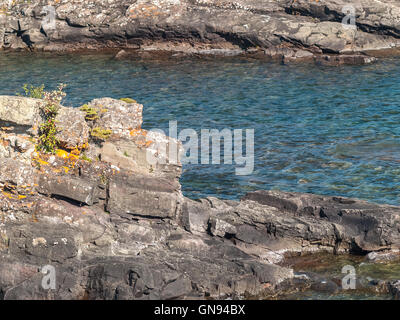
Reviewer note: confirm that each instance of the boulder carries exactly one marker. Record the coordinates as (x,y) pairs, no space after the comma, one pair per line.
(20,113)
(144,196)
(73,131)
(116,115)
(144,153)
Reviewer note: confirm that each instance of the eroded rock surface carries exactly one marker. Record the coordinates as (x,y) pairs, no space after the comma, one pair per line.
(288,30)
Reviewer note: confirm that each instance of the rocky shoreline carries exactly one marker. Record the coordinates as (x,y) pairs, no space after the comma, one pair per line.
(285,30)
(114,226)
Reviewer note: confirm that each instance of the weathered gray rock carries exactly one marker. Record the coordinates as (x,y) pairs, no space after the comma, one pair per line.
(357,224)
(17,176)
(383,256)
(68,187)
(120,117)
(144,153)
(73,131)
(21,113)
(195,216)
(208,27)
(221,228)
(144,196)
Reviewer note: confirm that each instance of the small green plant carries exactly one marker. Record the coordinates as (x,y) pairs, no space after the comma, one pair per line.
(126,154)
(128,100)
(32,91)
(102,134)
(48,141)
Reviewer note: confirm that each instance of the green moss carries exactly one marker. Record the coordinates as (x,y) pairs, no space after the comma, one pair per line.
(126,154)
(128,100)
(91,113)
(99,133)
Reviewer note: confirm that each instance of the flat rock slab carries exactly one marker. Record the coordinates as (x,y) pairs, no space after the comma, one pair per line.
(144,196)
(20,112)
(69,187)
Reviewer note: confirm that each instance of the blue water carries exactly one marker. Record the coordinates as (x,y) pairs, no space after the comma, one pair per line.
(324,130)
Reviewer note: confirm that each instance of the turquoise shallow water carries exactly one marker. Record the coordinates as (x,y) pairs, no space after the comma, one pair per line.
(324,130)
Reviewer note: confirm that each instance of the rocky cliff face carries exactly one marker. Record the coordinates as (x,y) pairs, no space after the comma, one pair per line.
(115,226)
(288,30)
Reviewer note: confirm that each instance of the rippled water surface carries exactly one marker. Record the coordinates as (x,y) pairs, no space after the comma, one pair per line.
(325,130)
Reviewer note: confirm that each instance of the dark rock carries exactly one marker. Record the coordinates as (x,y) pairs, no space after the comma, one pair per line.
(394,289)
(195,216)
(290,31)
(179,288)
(144,196)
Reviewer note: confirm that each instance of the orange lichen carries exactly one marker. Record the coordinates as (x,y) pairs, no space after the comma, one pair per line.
(62,153)
(137,132)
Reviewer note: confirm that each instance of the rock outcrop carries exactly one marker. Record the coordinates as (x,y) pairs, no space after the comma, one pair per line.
(114,226)
(287,30)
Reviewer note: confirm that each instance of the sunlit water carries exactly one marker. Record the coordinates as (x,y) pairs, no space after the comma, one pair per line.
(324,130)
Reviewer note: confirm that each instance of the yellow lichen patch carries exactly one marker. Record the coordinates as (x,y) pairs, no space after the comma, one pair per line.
(62,153)
(70,158)
(75,152)
(36,158)
(128,100)
(11,196)
(7,195)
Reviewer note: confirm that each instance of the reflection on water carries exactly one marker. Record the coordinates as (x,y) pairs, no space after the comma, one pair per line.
(317,129)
